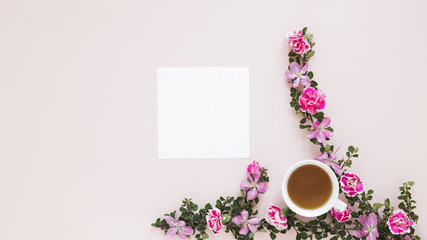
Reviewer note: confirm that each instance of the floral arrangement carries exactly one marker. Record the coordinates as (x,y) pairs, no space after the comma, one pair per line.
(362,219)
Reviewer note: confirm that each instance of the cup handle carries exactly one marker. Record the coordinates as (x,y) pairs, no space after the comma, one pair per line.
(340,205)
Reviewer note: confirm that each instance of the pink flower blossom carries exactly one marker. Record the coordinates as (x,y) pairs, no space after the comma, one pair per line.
(319,130)
(330,161)
(177,228)
(243,219)
(253,167)
(296,74)
(370,227)
(253,185)
(350,184)
(275,218)
(312,100)
(214,220)
(399,223)
(342,216)
(298,43)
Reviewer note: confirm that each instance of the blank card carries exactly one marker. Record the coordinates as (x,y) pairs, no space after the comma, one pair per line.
(203,112)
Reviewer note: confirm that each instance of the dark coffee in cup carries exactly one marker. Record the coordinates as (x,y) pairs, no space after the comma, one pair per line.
(309,187)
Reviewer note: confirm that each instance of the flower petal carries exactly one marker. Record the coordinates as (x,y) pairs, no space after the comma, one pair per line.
(181,235)
(244,230)
(245,185)
(312,133)
(253,220)
(290,76)
(262,187)
(296,82)
(305,81)
(304,69)
(327,133)
(316,124)
(252,228)
(237,220)
(171,221)
(325,122)
(361,233)
(371,236)
(337,169)
(252,194)
(170,233)
(372,220)
(187,230)
(257,176)
(363,220)
(244,214)
(294,67)
(320,137)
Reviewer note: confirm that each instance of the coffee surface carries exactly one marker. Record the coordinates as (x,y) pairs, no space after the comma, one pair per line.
(309,187)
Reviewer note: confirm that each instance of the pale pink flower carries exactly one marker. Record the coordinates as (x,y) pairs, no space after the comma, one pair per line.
(245,222)
(253,167)
(253,185)
(319,131)
(312,100)
(275,218)
(298,43)
(370,227)
(341,216)
(350,184)
(330,161)
(177,228)
(296,74)
(399,223)
(214,220)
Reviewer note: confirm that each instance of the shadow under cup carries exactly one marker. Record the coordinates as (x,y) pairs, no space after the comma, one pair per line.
(310,188)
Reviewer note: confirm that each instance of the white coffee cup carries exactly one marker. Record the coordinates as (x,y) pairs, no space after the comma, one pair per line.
(333,200)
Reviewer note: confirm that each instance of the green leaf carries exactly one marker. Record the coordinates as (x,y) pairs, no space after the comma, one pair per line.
(308,36)
(285,211)
(304,31)
(262,230)
(310,54)
(303,235)
(411,183)
(227,218)
(272,235)
(351,149)
(292,53)
(342,233)
(310,74)
(303,120)
(370,191)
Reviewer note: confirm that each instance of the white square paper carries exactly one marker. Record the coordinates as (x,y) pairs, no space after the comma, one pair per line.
(203,112)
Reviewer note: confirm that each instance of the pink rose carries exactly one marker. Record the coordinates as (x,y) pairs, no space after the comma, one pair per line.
(275,218)
(399,223)
(341,216)
(253,167)
(298,43)
(312,100)
(214,220)
(350,184)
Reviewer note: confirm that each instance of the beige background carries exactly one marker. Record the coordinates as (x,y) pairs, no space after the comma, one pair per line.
(78,154)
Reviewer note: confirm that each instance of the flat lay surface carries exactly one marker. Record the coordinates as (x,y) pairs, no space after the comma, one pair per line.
(78,103)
